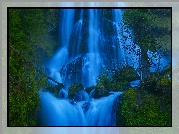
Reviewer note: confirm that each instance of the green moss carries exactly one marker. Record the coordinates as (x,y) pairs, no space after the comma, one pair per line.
(119,81)
(30,31)
(73,89)
(23,95)
(164,85)
(120,86)
(104,82)
(127,73)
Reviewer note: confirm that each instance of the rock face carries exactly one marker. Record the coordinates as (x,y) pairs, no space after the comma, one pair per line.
(101,93)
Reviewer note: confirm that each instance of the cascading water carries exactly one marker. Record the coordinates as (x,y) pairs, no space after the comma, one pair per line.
(86,48)
(61,56)
(93,55)
(63,112)
(99,111)
(60,112)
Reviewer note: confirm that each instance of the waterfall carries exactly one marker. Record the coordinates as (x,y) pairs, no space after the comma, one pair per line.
(87,48)
(99,111)
(87,45)
(61,56)
(60,112)
(63,112)
(93,46)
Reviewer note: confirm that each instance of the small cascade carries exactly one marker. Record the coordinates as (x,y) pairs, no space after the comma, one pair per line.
(61,56)
(63,94)
(87,112)
(59,112)
(100,111)
(91,95)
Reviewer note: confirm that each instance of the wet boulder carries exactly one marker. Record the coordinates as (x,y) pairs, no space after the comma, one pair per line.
(101,93)
(74,89)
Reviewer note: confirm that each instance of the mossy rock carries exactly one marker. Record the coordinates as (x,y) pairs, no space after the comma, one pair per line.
(54,89)
(120,86)
(73,89)
(101,93)
(127,73)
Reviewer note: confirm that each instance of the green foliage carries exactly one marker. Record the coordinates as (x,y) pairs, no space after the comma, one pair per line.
(103,86)
(149,104)
(120,120)
(152,31)
(120,86)
(164,85)
(119,81)
(29,31)
(128,105)
(104,82)
(122,78)
(166,73)
(150,27)
(23,94)
(157,83)
(73,89)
